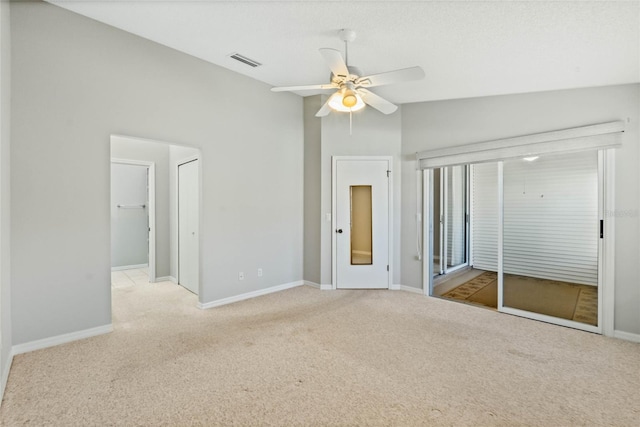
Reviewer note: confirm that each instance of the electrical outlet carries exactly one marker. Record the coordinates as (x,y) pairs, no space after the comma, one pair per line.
(241,276)
(259,272)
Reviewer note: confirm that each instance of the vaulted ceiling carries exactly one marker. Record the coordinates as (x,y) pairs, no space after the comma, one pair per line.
(466,48)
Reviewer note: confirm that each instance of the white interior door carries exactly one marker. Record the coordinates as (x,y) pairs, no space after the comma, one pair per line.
(188,226)
(362,224)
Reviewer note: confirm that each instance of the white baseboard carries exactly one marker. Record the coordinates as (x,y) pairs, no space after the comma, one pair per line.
(60,339)
(319,286)
(249,295)
(627,336)
(166,279)
(4,375)
(397,287)
(129,267)
(411,289)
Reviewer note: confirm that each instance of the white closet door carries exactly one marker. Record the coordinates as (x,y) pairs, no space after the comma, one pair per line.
(188,226)
(362,220)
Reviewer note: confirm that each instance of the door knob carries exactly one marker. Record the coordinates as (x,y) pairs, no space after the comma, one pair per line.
(339,230)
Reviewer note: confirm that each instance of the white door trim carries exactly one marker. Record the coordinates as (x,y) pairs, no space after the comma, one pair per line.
(334,255)
(606,296)
(177,209)
(152,210)
(427,232)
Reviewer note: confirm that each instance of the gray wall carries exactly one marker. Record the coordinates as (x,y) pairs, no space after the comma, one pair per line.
(157,152)
(5,192)
(75,83)
(374,134)
(312,210)
(448,123)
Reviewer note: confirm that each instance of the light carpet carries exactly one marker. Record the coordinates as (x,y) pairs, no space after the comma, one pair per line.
(310,357)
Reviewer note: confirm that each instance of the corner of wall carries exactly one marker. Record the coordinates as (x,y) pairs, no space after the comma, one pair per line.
(6,356)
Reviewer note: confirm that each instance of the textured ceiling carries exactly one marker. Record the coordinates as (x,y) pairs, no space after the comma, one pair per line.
(467,48)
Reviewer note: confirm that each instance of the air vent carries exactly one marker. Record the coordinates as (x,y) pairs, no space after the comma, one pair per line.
(245,60)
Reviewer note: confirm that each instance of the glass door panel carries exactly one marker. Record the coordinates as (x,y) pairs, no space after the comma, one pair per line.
(456,216)
(361,225)
(551,215)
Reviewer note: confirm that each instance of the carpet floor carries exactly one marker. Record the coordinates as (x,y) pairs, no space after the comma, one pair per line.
(553,298)
(309,357)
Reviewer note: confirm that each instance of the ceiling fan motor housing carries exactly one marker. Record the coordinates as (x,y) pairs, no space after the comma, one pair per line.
(354,74)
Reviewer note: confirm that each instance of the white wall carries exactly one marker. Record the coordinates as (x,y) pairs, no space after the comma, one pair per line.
(157,152)
(374,134)
(5,194)
(76,82)
(449,123)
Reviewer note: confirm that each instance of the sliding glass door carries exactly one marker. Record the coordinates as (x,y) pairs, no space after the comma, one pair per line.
(451,207)
(527,232)
(551,214)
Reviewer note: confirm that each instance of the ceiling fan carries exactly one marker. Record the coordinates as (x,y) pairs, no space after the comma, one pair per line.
(350,88)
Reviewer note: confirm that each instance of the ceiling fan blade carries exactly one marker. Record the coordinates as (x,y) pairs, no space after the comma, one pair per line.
(307,87)
(390,77)
(325,109)
(334,60)
(376,101)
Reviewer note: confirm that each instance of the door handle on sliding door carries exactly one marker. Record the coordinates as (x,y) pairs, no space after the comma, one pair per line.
(339,231)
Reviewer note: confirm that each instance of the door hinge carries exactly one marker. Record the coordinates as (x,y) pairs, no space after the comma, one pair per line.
(387,268)
(388,174)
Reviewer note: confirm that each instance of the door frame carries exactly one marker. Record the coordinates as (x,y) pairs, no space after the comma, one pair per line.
(334,183)
(444,221)
(179,163)
(151,196)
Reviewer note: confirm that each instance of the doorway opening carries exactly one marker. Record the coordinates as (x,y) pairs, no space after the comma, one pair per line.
(132,219)
(145,207)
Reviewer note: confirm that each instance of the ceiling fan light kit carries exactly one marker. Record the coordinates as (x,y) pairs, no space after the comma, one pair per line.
(350,88)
